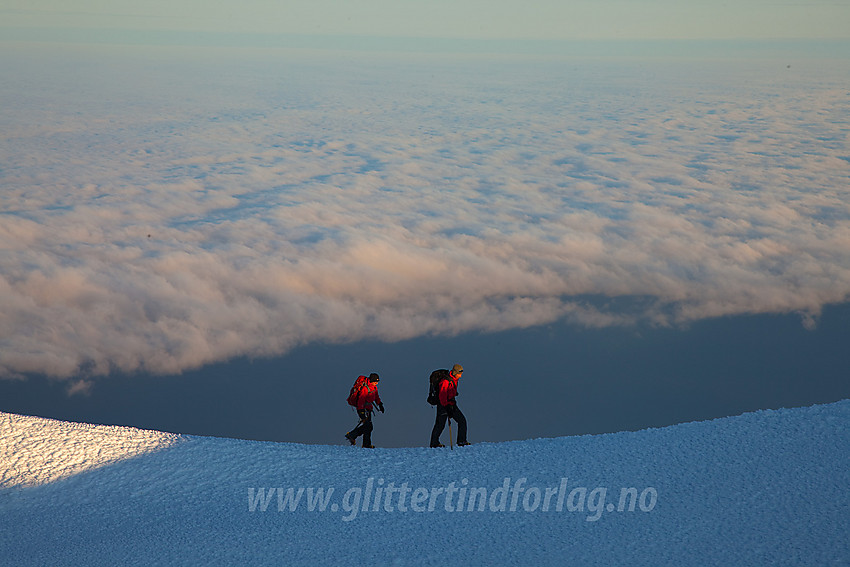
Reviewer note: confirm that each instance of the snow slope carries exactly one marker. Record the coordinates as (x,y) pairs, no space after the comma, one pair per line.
(771,487)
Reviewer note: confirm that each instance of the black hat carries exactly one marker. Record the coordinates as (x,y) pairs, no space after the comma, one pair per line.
(373,377)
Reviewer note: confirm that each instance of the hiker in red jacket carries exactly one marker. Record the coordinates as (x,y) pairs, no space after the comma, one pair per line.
(447,409)
(366,400)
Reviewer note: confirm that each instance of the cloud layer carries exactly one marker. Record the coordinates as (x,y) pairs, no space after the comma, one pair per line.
(159,212)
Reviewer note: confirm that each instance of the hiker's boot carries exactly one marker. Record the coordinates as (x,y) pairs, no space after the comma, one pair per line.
(463,443)
(350,439)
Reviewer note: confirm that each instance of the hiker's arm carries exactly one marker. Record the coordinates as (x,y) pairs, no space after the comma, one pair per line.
(444,393)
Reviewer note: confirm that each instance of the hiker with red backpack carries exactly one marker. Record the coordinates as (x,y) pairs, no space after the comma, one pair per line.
(443,392)
(364,396)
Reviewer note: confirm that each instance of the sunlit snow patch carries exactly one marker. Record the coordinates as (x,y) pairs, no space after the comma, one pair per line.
(37,450)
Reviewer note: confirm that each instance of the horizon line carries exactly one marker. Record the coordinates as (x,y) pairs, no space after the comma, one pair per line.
(603,47)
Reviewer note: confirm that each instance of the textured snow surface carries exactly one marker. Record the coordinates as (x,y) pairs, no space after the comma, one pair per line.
(36,450)
(770,487)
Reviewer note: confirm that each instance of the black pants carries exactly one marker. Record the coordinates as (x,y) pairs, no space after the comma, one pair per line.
(363,428)
(444,413)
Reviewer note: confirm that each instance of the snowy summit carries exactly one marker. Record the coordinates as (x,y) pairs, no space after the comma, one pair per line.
(769,487)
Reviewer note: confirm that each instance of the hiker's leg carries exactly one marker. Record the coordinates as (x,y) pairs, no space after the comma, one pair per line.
(354,432)
(439,425)
(460,419)
(367,429)
(358,431)
(367,434)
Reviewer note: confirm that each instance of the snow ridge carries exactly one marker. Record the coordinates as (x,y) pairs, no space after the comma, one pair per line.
(764,488)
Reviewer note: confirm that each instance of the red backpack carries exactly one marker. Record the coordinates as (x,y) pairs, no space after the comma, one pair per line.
(354,394)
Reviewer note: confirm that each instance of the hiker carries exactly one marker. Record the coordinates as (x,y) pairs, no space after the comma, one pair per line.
(363,400)
(447,409)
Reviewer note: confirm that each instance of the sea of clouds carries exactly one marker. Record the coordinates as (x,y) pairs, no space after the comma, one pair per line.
(161,209)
